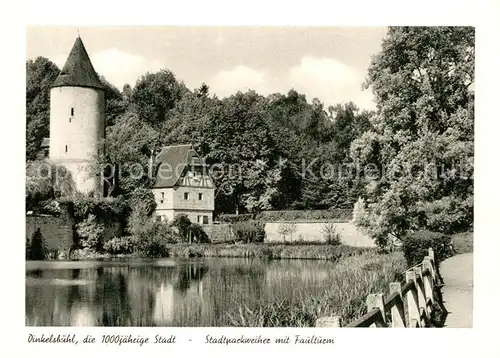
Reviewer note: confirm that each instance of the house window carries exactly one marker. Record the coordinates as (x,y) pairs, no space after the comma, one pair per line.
(200,196)
(162,197)
(72,112)
(158,218)
(186,196)
(65,149)
(69,119)
(205,219)
(199,219)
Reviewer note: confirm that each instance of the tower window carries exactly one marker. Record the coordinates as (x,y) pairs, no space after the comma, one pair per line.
(200,196)
(186,196)
(162,197)
(65,149)
(72,111)
(69,119)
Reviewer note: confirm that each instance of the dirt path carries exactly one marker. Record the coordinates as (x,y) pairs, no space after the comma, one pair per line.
(457,273)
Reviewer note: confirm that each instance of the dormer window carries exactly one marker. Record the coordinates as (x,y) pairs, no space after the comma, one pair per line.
(72,111)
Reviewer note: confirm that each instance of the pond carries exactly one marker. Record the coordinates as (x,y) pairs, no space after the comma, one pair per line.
(163,292)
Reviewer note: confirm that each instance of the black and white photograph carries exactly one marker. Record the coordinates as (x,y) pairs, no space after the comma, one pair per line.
(249,176)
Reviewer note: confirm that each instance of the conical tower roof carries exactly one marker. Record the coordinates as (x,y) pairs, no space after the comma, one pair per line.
(78,70)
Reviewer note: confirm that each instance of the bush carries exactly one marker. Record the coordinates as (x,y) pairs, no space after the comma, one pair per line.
(121,245)
(155,246)
(249,231)
(182,223)
(199,234)
(234,218)
(36,248)
(297,215)
(330,234)
(188,229)
(416,246)
(153,237)
(90,233)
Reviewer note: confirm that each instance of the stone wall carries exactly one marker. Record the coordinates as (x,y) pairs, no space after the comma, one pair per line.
(313,232)
(57,232)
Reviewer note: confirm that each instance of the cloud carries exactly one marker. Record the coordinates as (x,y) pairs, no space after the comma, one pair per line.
(329,80)
(118,67)
(239,78)
(325,78)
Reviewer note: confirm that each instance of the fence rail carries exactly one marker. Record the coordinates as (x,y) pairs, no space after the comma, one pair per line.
(410,305)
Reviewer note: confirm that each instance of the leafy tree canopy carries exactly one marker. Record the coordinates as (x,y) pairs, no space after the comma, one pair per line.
(422,134)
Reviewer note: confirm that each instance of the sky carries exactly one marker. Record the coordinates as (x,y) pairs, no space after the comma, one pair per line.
(328,63)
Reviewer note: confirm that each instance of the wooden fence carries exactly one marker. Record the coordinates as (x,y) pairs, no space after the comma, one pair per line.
(410,305)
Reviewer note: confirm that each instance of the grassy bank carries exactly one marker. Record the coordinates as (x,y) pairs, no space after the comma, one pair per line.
(270,251)
(352,280)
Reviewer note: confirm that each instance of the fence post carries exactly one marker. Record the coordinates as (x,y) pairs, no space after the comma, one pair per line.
(331,321)
(428,280)
(397,311)
(433,268)
(373,301)
(420,293)
(412,299)
(431,254)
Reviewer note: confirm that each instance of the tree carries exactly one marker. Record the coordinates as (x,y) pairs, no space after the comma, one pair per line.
(331,180)
(248,165)
(423,132)
(116,102)
(40,74)
(129,144)
(190,119)
(143,201)
(155,94)
(293,123)
(46,181)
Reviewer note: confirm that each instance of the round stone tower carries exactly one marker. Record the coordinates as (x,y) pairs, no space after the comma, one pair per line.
(77,115)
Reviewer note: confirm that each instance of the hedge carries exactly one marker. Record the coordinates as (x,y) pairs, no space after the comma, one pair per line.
(416,246)
(81,207)
(249,231)
(234,218)
(297,215)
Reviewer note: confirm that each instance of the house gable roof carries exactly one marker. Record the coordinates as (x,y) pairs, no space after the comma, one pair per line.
(170,164)
(78,70)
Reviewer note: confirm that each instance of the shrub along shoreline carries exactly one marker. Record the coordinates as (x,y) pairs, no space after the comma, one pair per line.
(294,251)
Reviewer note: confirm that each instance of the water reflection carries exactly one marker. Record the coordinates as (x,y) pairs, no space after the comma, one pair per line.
(160,292)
